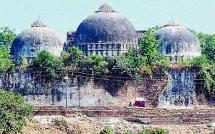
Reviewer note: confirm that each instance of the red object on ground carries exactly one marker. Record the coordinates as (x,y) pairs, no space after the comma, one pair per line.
(139,102)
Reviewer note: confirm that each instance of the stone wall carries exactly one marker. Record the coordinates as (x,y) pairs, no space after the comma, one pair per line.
(88,95)
(94,92)
(180,89)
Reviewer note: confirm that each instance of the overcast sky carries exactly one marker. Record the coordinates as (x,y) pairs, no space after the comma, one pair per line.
(66,15)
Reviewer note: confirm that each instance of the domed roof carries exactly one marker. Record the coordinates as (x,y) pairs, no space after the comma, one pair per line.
(177,41)
(38,37)
(105,26)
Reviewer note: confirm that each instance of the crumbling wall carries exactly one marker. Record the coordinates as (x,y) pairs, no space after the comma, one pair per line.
(101,92)
(91,93)
(180,89)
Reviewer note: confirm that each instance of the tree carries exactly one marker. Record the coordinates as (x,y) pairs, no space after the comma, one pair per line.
(145,57)
(206,63)
(208,44)
(95,65)
(148,45)
(128,64)
(7,37)
(46,67)
(72,58)
(5,60)
(149,49)
(73,55)
(206,69)
(13,112)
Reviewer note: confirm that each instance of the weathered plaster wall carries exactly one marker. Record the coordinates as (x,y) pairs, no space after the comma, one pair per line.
(180,89)
(94,92)
(91,93)
(88,95)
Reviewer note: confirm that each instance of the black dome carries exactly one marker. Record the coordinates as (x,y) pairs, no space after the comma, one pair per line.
(106,26)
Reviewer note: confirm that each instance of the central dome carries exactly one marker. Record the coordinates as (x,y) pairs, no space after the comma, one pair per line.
(106,26)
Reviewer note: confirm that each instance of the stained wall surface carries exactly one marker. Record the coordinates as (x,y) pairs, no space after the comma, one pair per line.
(157,92)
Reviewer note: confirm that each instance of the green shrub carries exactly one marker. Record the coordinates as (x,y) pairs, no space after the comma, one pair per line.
(106,131)
(209,125)
(156,131)
(14,113)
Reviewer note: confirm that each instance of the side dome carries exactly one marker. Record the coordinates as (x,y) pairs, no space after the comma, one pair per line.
(106,26)
(38,37)
(178,42)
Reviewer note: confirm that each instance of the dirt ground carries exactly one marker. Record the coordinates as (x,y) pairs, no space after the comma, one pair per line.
(86,125)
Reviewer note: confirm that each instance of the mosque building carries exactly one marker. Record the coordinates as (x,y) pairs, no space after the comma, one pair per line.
(104,33)
(107,33)
(37,37)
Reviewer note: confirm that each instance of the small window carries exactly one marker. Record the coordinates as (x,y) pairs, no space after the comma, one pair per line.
(168,49)
(118,46)
(112,46)
(90,46)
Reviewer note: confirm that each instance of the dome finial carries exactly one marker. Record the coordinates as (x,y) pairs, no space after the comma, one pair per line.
(105,2)
(105,8)
(38,23)
(38,18)
(173,22)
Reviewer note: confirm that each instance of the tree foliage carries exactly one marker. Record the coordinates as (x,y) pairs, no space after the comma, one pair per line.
(46,67)
(13,112)
(76,61)
(73,56)
(95,65)
(206,63)
(149,49)
(148,46)
(206,72)
(207,42)
(6,62)
(6,38)
(128,64)
(145,57)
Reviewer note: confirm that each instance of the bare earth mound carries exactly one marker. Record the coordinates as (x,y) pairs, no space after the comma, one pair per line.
(81,124)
